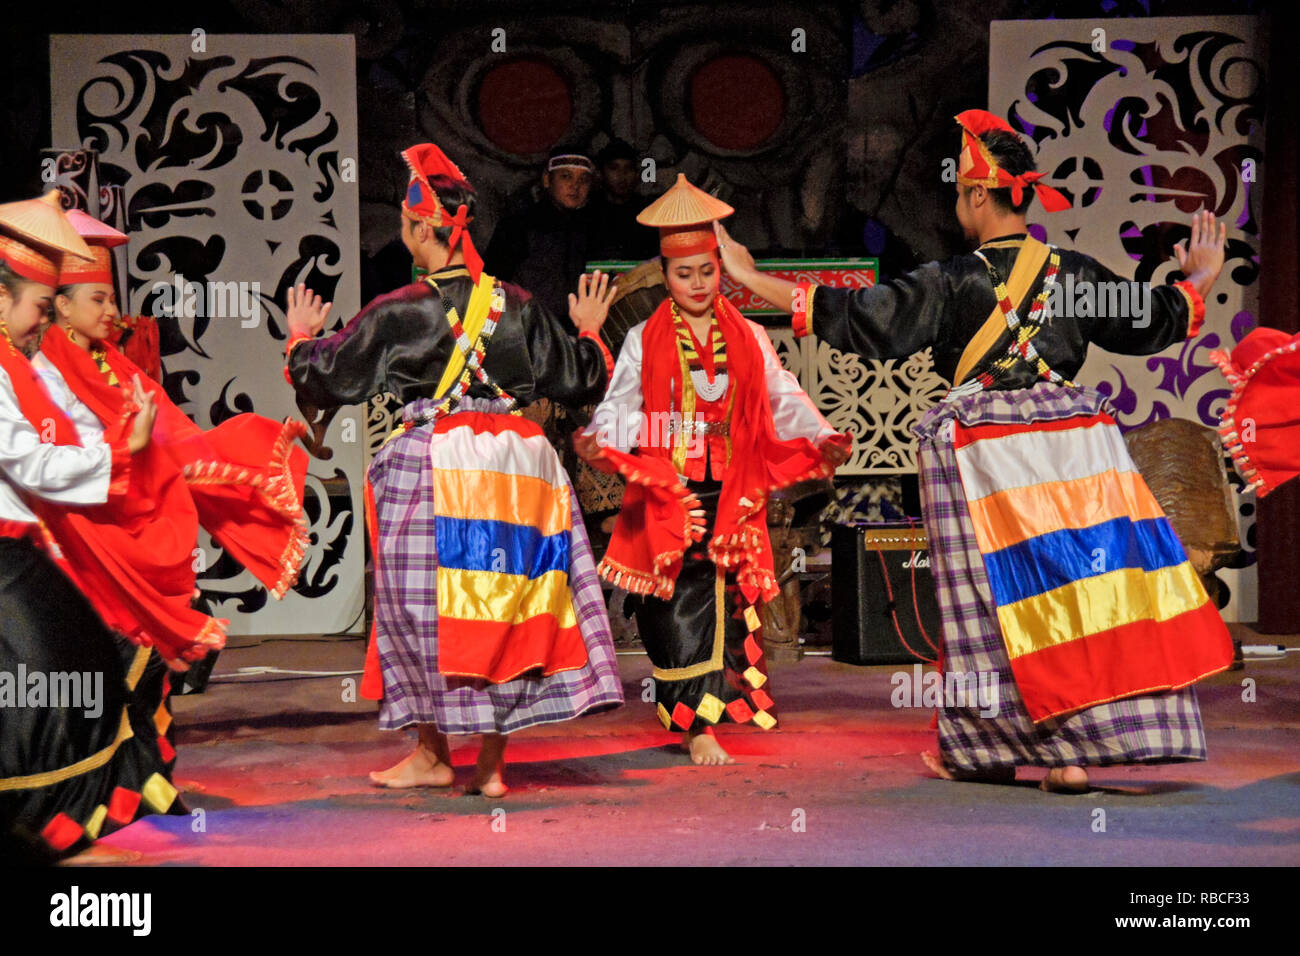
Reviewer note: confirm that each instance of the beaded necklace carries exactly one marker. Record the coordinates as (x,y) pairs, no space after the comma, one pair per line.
(708,390)
(1021,347)
(474,352)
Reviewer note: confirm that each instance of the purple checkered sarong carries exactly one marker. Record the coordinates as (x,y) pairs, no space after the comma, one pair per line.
(1149,728)
(406,613)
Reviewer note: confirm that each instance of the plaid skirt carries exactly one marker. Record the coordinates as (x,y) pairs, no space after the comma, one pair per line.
(406,612)
(1150,728)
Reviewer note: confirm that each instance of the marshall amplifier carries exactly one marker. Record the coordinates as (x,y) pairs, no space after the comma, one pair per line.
(884,605)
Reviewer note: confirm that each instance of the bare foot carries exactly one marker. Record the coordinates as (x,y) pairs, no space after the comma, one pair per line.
(418,769)
(98,854)
(706,751)
(936,765)
(939,766)
(1065,780)
(489,770)
(492,784)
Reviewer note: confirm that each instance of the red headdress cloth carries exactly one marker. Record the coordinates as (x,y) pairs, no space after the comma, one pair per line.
(421,202)
(1260,423)
(977,167)
(101,238)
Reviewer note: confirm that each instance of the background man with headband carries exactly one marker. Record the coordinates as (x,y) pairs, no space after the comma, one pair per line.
(545,247)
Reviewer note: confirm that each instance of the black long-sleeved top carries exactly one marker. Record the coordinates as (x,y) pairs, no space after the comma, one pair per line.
(943,305)
(402,342)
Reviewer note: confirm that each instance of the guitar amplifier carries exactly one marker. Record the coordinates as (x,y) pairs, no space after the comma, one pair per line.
(883,596)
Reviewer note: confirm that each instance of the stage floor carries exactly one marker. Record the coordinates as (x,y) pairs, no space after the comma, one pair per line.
(278,768)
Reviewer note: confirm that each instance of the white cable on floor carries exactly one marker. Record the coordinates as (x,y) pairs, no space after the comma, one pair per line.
(258,671)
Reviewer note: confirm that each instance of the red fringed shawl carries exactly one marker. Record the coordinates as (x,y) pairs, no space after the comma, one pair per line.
(657,523)
(134,557)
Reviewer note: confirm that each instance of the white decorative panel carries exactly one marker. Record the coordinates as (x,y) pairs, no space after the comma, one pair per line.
(232,151)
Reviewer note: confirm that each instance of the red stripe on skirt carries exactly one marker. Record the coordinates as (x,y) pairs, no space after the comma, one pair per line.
(1141,657)
(488,422)
(499,651)
(967,435)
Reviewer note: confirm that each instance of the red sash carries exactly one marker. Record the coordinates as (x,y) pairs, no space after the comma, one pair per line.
(655,526)
(135,556)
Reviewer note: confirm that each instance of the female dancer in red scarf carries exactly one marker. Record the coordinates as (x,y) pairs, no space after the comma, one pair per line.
(242,481)
(79,753)
(703,421)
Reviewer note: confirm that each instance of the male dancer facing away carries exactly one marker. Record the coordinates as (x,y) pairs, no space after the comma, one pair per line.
(489,616)
(1055,567)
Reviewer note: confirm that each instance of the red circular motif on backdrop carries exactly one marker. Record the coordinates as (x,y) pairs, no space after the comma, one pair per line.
(524,106)
(736,101)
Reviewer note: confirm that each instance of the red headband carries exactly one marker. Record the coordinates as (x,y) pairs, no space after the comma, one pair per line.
(37,263)
(421,202)
(977,167)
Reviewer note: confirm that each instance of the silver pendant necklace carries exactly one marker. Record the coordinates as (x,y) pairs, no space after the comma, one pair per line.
(709,391)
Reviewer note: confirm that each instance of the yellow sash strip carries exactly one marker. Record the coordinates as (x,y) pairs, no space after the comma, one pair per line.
(476,313)
(1029,262)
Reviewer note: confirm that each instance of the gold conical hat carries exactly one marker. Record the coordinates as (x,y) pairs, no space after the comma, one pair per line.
(683,205)
(43,221)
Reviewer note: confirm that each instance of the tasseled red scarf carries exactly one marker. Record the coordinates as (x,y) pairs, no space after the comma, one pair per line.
(243,481)
(656,525)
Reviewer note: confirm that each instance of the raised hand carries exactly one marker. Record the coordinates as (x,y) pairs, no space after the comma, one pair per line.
(1202,260)
(142,427)
(590,307)
(736,259)
(305,312)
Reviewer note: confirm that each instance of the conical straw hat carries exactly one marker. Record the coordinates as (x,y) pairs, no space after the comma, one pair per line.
(93,231)
(43,221)
(683,205)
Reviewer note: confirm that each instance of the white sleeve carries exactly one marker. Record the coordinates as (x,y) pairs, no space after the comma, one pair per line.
(793,413)
(89,427)
(67,474)
(619,416)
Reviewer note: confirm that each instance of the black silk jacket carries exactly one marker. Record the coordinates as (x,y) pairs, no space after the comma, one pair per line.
(402,341)
(943,305)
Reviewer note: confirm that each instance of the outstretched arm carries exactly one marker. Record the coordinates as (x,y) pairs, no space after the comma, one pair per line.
(1173,313)
(886,321)
(739,264)
(572,371)
(1203,260)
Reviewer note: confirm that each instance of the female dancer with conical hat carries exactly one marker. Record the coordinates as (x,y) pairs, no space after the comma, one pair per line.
(242,481)
(78,753)
(704,422)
